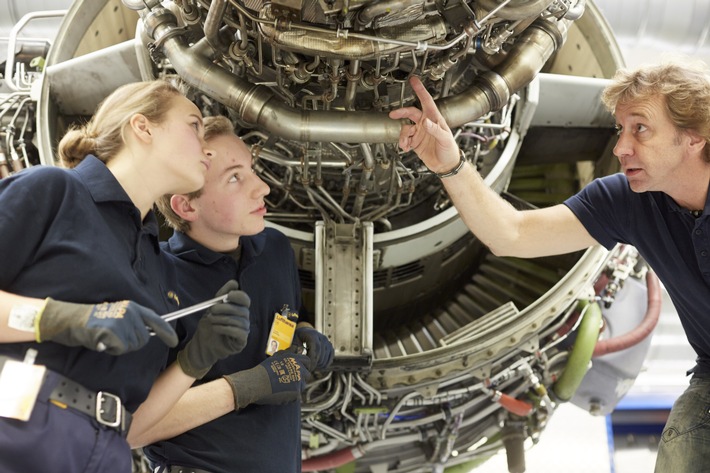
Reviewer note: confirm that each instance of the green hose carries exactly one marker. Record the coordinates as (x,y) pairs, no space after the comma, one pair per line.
(581,354)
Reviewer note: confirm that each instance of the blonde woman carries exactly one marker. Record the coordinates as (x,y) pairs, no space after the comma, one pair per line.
(83,283)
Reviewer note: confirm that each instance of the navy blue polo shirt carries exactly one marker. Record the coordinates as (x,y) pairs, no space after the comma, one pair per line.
(75,236)
(259,439)
(673,242)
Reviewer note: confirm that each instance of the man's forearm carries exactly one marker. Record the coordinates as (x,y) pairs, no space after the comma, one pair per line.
(492,219)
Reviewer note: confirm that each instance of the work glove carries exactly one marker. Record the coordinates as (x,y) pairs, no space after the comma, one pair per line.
(318,348)
(221,332)
(113,327)
(277,380)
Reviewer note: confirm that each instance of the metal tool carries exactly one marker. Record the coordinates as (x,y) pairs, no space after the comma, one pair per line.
(181,313)
(194,308)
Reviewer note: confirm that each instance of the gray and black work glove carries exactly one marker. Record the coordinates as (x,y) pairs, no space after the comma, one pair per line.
(277,380)
(318,348)
(221,332)
(113,327)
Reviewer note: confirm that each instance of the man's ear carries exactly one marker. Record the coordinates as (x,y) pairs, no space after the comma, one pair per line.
(694,144)
(182,206)
(697,142)
(141,127)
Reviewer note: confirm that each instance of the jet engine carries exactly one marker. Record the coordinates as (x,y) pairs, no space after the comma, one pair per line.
(445,353)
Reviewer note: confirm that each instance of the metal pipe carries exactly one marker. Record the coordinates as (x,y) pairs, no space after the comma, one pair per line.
(375,9)
(493,88)
(258,105)
(353,75)
(212,22)
(12,40)
(368,166)
(576,12)
(519,11)
(344,43)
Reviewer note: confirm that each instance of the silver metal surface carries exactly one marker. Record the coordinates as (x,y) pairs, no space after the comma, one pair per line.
(195,308)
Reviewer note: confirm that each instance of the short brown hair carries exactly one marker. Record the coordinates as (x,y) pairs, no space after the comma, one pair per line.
(214,126)
(684,89)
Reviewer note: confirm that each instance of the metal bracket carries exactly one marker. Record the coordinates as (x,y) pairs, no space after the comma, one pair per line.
(344,260)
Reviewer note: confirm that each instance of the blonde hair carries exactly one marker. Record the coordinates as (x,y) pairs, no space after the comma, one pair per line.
(103,135)
(214,126)
(684,89)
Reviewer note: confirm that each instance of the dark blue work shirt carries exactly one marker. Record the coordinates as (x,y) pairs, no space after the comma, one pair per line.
(673,242)
(75,236)
(258,439)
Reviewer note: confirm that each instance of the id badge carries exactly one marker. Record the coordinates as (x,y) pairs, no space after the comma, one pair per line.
(282,330)
(20,383)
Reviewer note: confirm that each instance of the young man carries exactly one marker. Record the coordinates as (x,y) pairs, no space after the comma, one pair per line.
(659,204)
(246,415)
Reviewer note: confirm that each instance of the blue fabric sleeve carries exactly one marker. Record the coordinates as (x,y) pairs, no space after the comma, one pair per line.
(28,205)
(603,207)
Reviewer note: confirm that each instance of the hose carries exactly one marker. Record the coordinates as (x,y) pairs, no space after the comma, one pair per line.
(511,404)
(644,329)
(332,460)
(581,354)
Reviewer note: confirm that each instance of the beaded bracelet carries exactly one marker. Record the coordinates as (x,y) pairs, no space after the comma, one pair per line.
(455,170)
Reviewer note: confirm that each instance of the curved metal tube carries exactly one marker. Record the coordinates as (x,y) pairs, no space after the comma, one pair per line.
(517,9)
(212,21)
(375,9)
(257,104)
(581,354)
(494,88)
(12,40)
(353,45)
(576,12)
(367,170)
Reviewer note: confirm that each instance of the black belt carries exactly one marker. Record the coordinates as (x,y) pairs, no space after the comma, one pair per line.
(105,407)
(185,469)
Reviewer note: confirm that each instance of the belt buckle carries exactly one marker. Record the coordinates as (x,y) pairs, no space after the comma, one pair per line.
(101,397)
